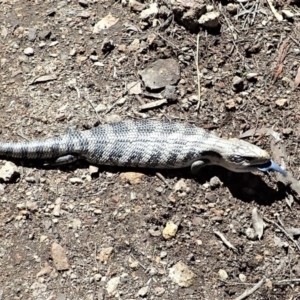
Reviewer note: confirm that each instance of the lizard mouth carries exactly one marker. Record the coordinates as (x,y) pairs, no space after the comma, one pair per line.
(271,166)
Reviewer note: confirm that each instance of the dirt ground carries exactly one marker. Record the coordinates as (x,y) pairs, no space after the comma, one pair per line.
(79,232)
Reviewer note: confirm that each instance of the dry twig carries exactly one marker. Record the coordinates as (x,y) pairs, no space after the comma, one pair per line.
(283,231)
(250,291)
(224,240)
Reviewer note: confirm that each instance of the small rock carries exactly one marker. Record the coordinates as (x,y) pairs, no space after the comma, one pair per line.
(215,182)
(76,224)
(31,206)
(112,285)
(59,257)
(112,118)
(105,254)
(143,291)
(9,172)
(43,238)
(57,207)
(94,57)
(237,84)
(134,46)
(136,6)
(230,104)
(83,3)
(182,275)
(269,284)
(250,76)
(30,179)
(151,11)
(97,277)
(161,73)
(159,291)
(97,211)
(75,180)
(46,270)
(281,102)
(101,107)
(232,8)
(28,51)
(287,14)
(163,254)
(210,19)
(93,170)
(154,232)
(170,230)
(223,274)
(31,33)
(180,185)
(131,177)
(133,263)
(105,23)
(242,278)
(287,131)
(45,34)
(251,234)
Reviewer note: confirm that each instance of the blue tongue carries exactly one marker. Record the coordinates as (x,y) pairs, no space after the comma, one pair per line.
(271,166)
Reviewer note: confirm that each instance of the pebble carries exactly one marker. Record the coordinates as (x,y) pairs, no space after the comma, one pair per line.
(59,257)
(105,254)
(57,207)
(215,182)
(136,6)
(242,278)
(28,51)
(97,277)
(31,206)
(182,275)
(131,177)
(237,84)
(9,172)
(170,230)
(223,274)
(281,102)
(180,185)
(143,291)
(151,11)
(75,180)
(210,19)
(288,14)
(101,107)
(31,34)
(232,8)
(112,285)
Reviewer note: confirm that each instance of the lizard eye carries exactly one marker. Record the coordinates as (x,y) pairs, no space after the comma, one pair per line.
(237,158)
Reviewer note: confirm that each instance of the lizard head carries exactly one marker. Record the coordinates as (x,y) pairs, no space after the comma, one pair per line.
(242,156)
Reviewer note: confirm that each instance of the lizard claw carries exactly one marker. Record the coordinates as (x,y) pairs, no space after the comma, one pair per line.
(272,166)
